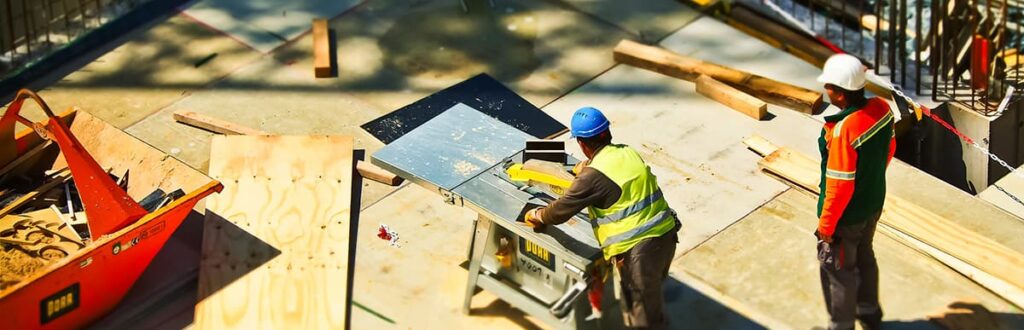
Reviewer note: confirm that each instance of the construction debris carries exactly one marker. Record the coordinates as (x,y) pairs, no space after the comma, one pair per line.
(674,65)
(385,233)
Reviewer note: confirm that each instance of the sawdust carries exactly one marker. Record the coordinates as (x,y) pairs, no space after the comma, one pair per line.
(465,168)
(16,265)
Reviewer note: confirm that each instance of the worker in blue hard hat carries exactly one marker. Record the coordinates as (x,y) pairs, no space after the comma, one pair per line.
(632,220)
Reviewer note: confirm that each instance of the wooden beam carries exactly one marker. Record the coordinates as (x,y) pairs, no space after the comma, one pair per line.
(366,170)
(321,49)
(981,253)
(674,65)
(213,124)
(731,97)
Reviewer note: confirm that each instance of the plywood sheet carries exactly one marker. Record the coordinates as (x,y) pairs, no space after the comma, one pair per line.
(276,240)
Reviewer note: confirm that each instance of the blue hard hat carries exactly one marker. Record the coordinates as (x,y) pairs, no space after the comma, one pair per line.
(588,122)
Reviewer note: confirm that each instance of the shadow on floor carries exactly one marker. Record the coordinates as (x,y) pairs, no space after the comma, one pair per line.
(234,253)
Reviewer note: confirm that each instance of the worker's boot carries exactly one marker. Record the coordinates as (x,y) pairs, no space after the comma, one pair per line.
(871,321)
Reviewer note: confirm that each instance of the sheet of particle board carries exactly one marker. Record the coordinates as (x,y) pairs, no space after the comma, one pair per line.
(276,240)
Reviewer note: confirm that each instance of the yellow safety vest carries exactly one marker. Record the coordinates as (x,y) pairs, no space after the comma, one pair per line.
(641,212)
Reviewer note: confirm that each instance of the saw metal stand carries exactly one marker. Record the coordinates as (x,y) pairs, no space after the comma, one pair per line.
(574,302)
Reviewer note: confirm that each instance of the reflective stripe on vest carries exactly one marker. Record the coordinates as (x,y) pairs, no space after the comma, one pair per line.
(632,209)
(640,212)
(655,221)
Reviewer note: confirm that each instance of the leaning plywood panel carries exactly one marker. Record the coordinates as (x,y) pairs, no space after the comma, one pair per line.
(276,240)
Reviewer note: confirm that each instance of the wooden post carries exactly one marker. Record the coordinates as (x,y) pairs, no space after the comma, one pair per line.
(321,49)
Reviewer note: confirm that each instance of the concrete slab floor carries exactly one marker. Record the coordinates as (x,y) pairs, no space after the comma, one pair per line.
(149,72)
(269,96)
(392,52)
(767,260)
(1013,185)
(694,144)
(648,21)
(265,24)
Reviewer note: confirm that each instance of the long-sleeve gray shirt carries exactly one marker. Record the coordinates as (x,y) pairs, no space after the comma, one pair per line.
(590,188)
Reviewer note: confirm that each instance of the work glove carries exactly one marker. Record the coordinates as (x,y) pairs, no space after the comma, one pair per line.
(579,167)
(532,219)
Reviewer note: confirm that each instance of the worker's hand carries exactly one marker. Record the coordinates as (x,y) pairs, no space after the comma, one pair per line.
(532,219)
(825,238)
(579,167)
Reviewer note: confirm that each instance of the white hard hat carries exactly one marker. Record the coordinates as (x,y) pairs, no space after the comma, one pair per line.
(844,71)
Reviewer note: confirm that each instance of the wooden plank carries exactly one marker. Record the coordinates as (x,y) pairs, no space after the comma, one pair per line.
(321,49)
(731,97)
(674,65)
(918,223)
(276,239)
(366,170)
(23,158)
(1005,290)
(213,124)
(760,145)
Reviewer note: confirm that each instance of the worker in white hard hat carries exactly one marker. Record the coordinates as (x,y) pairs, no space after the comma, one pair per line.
(631,217)
(856,146)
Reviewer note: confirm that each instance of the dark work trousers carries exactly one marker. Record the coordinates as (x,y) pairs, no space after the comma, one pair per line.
(642,271)
(849,276)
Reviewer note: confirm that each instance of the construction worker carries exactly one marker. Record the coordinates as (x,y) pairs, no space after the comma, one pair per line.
(856,146)
(632,219)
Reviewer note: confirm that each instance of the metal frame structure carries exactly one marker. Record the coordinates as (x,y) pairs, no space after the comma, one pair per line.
(31,29)
(933,54)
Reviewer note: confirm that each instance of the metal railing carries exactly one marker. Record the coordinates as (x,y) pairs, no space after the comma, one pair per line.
(31,29)
(949,50)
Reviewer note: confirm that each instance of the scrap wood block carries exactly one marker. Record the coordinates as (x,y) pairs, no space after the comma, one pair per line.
(321,49)
(276,239)
(731,97)
(987,262)
(660,60)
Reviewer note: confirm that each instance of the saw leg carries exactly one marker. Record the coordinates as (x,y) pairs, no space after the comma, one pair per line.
(476,254)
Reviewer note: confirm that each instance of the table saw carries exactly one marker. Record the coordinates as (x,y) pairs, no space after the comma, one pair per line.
(463,155)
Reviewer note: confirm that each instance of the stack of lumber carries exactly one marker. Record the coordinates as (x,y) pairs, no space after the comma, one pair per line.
(977,257)
(746,87)
(276,240)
